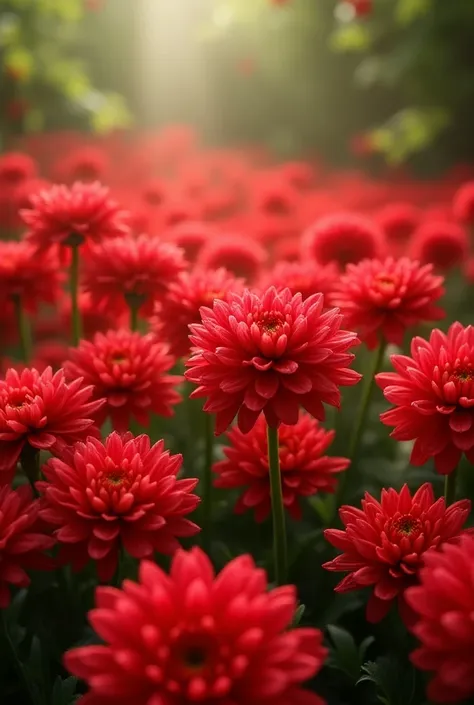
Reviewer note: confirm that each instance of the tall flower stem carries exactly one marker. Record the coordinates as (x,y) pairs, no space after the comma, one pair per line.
(74,284)
(364,407)
(134,301)
(24,330)
(22,673)
(278,510)
(450,487)
(30,464)
(207,481)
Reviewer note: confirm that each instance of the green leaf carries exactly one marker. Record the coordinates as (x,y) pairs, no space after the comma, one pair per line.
(353,37)
(298,615)
(111,113)
(345,654)
(64,691)
(394,681)
(407,11)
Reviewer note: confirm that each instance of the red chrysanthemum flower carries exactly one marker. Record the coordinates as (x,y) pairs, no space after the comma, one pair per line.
(384,543)
(22,541)
(128,370)
(305,470)
(15,168)
(238,254)
(43,412)
(183,302)
(270,353)
(306,278)
(190,236)
(433,394)
(381,299)
(88,163)
(444,606)
(32,277)
(121,492)
(137,268)
(463,204)
(193,637)
(443,244)
(342,238)
(63,215)
(398,221)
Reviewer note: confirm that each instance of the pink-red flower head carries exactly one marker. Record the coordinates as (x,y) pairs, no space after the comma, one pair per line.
(71,215)
(433,396)
(140,268)
(22,541)
(444,606)
(121,492)
(441,243)
(398,221)
(381,299)
(195,637)
(15,168)
(384,544)
(273,354)
(43,412)
(182,304)
(463,204)
(32,277)
(305,469)
(190,236)
(342,238)
(306,278)
(238,254)
(128,370)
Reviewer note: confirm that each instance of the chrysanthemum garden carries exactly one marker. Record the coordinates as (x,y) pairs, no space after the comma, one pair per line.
(236,352)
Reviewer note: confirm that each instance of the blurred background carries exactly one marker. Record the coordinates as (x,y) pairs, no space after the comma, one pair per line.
(373,83)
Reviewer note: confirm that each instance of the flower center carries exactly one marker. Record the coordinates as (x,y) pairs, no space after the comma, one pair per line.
(407,525)
(210,296)
(270,321)
(117,477)
(195,657)
(385,282)
(118,357)
(464,374)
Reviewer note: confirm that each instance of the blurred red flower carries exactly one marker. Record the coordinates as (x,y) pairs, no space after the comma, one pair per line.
(42,411)
(441,243)
(128,370)
(137,268)
(236,253)
(273,354)
(444,605)
(381,299)
(305,470)
(385,543)
(15,168)
(183,302)
(306,278)
(463,204)
(22,541)
(194,637)
(122,491)
(342,238)
(33,277)
(433,394)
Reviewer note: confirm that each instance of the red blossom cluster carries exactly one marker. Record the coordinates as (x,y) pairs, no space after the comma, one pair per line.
(221,276)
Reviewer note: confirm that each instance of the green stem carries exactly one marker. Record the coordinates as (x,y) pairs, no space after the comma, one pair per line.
(450,487)
(24,330)
(207,482)
(74,284)
(133,318)
(364,407)
(18,665)
(30,464)
(278,510)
